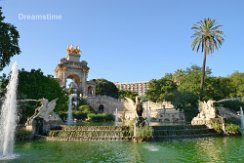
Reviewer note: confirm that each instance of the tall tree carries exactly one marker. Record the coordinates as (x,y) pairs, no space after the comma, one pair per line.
(161,90)
(105,87)
(208,37)
(9,41)
(237,81)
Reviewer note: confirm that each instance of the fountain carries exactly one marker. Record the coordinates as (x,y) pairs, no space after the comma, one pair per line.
(70,117)
(8,117)
(116,117)
(242,120)
(148,113)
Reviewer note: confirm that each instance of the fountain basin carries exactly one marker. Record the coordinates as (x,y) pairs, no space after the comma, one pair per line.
(211,149)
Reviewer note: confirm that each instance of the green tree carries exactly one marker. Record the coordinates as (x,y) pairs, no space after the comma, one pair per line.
(105,87)
(160,90)
(153,91)
(127,93)
(190,78)
(207,36)
(237,82)
(217,88)
(36,85)
(9,41)
(4,79)
(186,101)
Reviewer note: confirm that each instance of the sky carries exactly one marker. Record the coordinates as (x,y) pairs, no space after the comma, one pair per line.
(125,40)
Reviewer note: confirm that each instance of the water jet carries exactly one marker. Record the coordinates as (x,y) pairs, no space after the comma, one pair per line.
(242,120)
(70,116)
(8,117)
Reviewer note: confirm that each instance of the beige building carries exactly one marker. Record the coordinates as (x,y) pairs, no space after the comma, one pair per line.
(138,87)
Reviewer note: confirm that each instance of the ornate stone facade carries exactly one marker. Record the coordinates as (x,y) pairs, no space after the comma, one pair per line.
(159,112)
(72,68)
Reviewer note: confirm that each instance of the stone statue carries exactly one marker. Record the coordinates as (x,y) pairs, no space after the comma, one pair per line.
(140,121)
(139,109)
(207,111)
(73,50)
(45,111)
(46,114)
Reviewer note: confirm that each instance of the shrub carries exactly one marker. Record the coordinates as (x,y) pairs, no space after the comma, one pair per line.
(232,129)
(86,109)
(144,132)
(79,115)
(216,125)
(100,117)
(131,126)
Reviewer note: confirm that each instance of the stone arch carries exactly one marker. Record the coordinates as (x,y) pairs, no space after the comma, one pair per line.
(101,108)
(90,91)
(76,78)
(72,68)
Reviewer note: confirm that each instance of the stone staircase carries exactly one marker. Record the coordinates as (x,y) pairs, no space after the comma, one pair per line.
(90,133)
(122,133)
(182,131)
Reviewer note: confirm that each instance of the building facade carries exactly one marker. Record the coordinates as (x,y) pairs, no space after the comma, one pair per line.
(138,87)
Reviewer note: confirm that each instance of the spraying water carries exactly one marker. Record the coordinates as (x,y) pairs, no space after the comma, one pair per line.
(148,115)
(242,119)
(70,116)
(8,117)
(116,116)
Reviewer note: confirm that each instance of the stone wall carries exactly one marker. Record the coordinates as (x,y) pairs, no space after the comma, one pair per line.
(161,112)
(109,104)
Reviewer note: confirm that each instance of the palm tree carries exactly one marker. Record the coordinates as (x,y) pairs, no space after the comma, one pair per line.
(208,37)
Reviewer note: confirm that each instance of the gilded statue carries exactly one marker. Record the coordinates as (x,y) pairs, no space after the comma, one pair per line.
(73,50)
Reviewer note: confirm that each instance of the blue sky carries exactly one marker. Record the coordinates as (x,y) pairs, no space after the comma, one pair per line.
(126,40)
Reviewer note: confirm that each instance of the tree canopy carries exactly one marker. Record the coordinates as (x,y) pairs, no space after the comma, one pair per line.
(186,81)
(127,93)
(160,90)
(9,41)
(182,88)
(36,85)
(105,87)
(237,83)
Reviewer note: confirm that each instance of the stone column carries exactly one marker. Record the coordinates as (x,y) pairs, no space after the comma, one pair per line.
(83,82)
(64,77)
